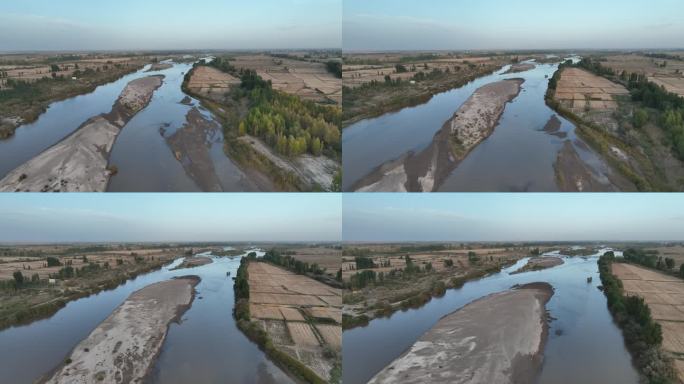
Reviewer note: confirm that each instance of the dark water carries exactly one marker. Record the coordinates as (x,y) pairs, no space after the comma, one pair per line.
(518,156)
(205,347)
(144,160)
(590,348)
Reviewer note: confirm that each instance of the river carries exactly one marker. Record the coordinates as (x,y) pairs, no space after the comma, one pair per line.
(584,345)
(518,156)
(206,347)
(144,160)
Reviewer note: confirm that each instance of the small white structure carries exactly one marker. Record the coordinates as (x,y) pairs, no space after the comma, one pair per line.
(412,81)
(52,281)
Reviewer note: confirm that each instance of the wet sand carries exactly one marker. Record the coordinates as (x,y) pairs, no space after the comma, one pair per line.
(195,261)
(573,175)
(539,263)
(123,348)
(79,162)
(522,67)
(497,339)
(474,121)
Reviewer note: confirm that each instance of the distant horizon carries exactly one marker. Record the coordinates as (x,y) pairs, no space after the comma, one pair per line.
(524,24)
(45,25)
(505,217)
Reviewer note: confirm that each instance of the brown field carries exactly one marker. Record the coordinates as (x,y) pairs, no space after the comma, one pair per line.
(664,295)
(211,82)
(674,252)
(581,91)
(671,76)
(30,265)
(300,314)
(327,258)
(308,80)
(355,75)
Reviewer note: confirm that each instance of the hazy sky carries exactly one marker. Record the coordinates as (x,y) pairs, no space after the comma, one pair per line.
(512,217)
(170,217)
(506,24)
(169,24)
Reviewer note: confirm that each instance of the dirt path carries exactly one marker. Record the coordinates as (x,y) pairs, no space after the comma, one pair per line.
(470,125)
(79,162)
(312,170)
(123,348)
(496,339)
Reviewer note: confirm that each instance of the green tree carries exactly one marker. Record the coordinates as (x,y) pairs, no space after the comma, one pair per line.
(681,271)
(18,278)
(640,117)
(53,262)
(669,263)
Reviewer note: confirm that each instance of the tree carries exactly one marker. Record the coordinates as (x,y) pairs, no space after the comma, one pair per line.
(472,257)
(54,68)
(640,117)
(53,262)
(669,263)
(18,278)
(681,271)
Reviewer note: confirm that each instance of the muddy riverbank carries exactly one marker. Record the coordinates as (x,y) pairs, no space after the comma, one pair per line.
(539,263)
(124,346)
(471,124)
(461,347)
(79,162)
(195,261)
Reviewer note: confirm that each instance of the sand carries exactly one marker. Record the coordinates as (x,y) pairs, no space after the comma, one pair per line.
(79,163)
(539,263)
(463,347)
(123,348)
(471,124)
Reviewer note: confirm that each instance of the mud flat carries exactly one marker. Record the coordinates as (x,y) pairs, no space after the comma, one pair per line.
(196,261)
(539,263)
(463,347)
(123,348)
(79,163)
(522,67)
(469,126)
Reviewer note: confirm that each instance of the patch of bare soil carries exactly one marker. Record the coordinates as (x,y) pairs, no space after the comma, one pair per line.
(539,263)
(159,67)
(78,163)
(497,339)
(195,261)
(470,125)
(210,82)
(573,175)
(521,67)
(123,348)
(312,170)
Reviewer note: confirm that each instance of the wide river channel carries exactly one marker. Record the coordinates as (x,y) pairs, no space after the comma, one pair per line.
(518,156)
(144,159)
(584,345)
(205,347)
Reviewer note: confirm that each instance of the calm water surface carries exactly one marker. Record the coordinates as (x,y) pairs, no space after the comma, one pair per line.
(518,156)
(206,347)
(588,349)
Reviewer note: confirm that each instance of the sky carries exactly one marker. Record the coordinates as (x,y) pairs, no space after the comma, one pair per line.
(504,24)
(396,217)
(172,217)
(27,25)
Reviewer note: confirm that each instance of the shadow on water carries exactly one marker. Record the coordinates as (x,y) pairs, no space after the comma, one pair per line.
(206,347)
(584,345)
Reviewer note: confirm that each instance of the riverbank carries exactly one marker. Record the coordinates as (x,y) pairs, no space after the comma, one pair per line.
(378,97)
(472,123)
(25,105)
(461,347)
(41,299)
(124,346)
(79,162)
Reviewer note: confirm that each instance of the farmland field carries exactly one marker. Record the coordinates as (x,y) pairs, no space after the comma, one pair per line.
(664,295)
(580,91)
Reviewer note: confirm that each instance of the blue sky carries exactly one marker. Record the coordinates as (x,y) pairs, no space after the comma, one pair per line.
(505,24)
(170,217)
(169,24)
(512,217)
